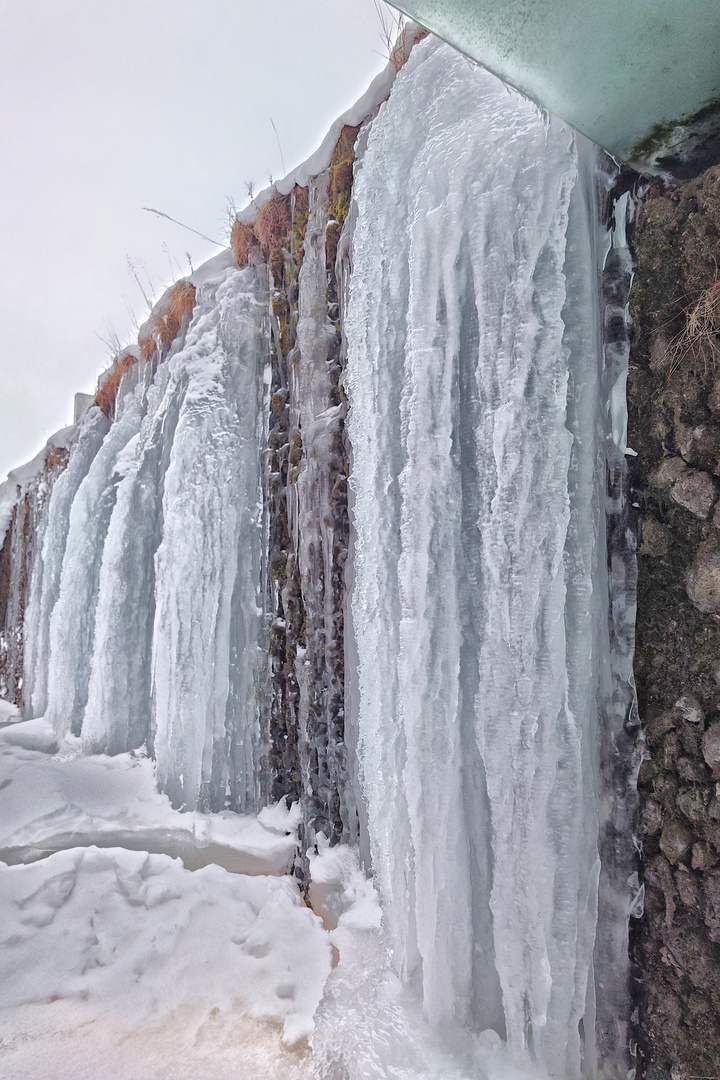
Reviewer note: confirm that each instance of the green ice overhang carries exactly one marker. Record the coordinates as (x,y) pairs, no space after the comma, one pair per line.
(639,77)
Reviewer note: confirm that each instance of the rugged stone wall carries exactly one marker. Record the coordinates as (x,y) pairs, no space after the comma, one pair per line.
(16,563)
(306,492)
(674,425)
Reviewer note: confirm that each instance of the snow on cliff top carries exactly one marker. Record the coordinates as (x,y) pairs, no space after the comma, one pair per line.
(20,479)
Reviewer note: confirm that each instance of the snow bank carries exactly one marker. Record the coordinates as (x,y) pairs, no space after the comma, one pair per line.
(51,803)
(143,935)
(81,1040)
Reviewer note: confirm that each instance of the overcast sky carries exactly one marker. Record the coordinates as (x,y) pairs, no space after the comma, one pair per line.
(112,105)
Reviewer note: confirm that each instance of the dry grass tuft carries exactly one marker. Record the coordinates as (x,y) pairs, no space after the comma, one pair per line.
(401,49)
(107,393)
(340,189)
(166,318)
(699,339)
(272,229)
(301,212)
(242,241)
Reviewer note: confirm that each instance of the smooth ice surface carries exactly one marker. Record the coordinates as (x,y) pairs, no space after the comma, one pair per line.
(480,594)
(612,70)
(144,614)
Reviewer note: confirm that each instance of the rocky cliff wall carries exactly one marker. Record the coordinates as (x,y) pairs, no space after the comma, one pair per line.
(674,426)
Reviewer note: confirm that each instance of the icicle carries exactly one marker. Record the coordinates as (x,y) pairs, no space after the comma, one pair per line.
(473,376)
(207,567)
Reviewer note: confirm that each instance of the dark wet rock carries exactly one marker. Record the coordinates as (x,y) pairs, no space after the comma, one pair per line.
(714,399)
(689,708)
(652,817)
(691,804)
(674,425)
(675,841)
(703,582)
(711,748)
(655,539)
(660,725)
(695,491)
(687,887)
(669,472)
(702,857)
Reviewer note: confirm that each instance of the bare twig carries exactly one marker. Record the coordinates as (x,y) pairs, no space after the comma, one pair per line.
(132,268)
(160,213)
(277,137)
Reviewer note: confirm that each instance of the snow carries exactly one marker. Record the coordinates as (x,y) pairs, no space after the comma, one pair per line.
(143,932)
(122,961)
(19,480)
(54,797)
(9,713)
(130,930)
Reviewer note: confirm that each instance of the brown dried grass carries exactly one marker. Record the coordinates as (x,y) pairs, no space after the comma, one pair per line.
(242,241)
(107,393)
(273,222)
(56,456)
(301,212)
(699,339)
(166,318)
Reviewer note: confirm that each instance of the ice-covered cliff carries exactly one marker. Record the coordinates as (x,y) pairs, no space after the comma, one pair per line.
(336,529)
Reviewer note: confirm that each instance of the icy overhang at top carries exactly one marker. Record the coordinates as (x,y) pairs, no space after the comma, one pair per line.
(639,77)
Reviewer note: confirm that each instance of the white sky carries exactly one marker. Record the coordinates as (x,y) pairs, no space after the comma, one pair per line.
(112,105)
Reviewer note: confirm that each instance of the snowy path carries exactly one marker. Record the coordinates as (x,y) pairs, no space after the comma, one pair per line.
(158,942)
(124,964)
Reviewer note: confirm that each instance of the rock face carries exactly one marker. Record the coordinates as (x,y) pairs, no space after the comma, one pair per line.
(674,425)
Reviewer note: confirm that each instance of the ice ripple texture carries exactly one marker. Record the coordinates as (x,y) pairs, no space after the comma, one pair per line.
(152,604)
(480,595)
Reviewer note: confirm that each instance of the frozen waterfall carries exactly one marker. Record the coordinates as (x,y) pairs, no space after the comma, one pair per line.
(144,616)
(480,598)
(423,659)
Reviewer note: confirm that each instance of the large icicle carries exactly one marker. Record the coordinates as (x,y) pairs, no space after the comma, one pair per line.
(207,607)
(480,596)
(51,542)
(145,615)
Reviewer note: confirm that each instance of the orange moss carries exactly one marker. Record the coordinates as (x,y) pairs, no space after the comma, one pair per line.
(105,397)
(166,318)
(242,241)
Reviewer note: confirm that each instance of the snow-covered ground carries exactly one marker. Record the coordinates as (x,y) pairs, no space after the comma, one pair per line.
(141,943)
(116,958)
(59,799)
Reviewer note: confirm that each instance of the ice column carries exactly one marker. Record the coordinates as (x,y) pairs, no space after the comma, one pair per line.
(480,592)
(207,592)
(145,618)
